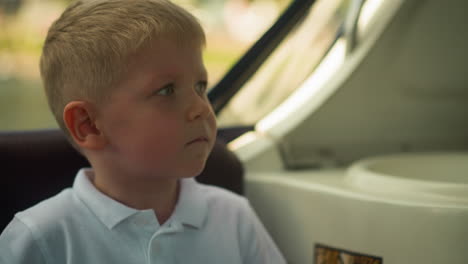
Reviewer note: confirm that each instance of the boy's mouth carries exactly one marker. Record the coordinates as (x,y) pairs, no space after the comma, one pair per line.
(197,140)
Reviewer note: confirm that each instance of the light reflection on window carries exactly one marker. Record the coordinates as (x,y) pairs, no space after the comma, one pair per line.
(309,90)
(289,66)
(368,12)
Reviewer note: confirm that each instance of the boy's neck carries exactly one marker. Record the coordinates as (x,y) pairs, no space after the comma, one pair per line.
(161,195)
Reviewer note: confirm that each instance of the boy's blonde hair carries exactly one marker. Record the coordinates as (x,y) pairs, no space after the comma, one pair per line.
(87,49)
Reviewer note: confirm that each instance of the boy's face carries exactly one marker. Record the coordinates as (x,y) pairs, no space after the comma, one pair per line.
(158,122)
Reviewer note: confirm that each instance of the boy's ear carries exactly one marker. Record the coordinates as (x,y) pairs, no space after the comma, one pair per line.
(80,118)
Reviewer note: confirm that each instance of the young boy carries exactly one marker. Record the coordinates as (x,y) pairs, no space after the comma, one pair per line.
(126,82)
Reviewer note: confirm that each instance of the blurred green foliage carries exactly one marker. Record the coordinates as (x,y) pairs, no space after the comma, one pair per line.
(23,25)
(23,106)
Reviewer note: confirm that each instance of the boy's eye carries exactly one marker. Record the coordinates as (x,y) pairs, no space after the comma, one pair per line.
(200,87)
(166,90)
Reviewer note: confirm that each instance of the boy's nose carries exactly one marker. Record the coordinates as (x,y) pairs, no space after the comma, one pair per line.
(199,108)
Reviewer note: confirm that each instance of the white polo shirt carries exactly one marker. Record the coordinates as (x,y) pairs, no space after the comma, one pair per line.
(82,225)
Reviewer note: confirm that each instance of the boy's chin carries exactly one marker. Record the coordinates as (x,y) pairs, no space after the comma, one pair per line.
(195,172)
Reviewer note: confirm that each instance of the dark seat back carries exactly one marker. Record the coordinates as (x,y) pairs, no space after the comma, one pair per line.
(39,164)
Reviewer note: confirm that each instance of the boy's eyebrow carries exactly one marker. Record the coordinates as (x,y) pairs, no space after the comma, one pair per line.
(204,73)
(154,82)
(159,78)
(169,75)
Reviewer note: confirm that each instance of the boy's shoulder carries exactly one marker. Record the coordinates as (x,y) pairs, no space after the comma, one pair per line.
(52,212)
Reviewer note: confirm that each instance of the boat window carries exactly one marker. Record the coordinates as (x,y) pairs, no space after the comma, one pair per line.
(289,65)
(231,27)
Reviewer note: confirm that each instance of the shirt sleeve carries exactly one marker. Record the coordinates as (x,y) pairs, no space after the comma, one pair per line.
(18,246)
(257,245)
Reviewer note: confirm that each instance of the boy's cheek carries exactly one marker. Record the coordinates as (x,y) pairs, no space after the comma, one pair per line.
(213,125)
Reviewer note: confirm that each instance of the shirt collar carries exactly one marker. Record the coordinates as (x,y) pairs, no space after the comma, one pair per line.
(191,207)
(107,210)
